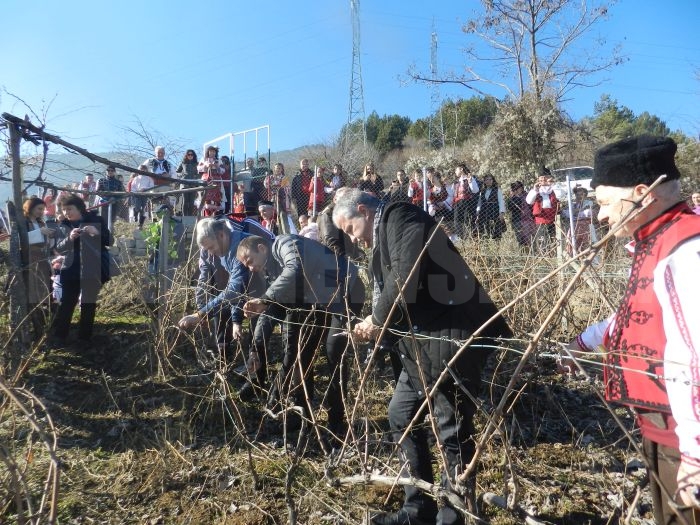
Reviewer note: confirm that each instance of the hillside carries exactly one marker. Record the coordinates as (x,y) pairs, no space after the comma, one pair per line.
(148,427)
(66,168)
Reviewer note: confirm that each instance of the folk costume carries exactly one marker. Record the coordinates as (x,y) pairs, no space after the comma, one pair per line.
(545,207)
(415,193)
(466,200)
(647,362)
(212,200)
(653,344)
(582,227)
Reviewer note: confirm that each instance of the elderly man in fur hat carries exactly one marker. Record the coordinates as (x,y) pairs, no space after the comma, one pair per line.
(652,343)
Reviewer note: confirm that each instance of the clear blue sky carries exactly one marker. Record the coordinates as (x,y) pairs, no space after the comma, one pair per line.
(199,70)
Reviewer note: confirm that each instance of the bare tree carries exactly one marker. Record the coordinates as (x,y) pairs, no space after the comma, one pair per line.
(139,141)
(536,46)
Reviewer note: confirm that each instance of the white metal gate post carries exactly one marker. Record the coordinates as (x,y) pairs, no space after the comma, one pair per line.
(232,147)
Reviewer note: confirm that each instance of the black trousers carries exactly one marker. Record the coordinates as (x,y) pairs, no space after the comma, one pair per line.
(222,330)
(262,327)
(139,204)
(302,332)
(86,290)
(489,221)
(454,414)
(337,346)
(464,212)
(188,207)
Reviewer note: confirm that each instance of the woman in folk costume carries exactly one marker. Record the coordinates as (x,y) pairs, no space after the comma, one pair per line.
(438,197)
(39,271)
(545,207)
(415,188)
(268,216)
(277,187)
(491,209)
(583,223)
(212,171)
(237,200)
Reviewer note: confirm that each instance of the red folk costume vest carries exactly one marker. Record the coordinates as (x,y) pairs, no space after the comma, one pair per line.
(634,374)
(417,198)
(462,191)
(545,215)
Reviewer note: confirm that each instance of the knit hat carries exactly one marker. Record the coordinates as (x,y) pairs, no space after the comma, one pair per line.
(636,160)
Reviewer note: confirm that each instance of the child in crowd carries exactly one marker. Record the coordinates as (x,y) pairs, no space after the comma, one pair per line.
(308,226)
(268,216)
(56,278)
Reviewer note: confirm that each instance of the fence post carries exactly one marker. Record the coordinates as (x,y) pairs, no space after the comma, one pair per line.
(163,260)
(19,254)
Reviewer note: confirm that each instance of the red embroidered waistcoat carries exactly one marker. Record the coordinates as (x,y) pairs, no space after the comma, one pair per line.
(417,198)
(545,215)
(635,346)
(462,191)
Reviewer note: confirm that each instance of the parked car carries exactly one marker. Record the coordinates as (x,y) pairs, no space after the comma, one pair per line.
(578,176)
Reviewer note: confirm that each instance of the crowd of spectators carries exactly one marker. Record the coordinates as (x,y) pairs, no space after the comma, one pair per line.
(469,205)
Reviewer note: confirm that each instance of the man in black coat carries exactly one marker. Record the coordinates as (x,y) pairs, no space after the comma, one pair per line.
(437,309)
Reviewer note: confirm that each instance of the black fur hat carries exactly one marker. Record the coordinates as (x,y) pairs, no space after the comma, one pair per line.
(636,160)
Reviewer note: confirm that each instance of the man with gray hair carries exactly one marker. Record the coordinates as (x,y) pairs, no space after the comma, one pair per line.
(431,313)
(159,165)
(218,240)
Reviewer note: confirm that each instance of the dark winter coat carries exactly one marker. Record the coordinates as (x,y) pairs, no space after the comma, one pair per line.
(444,302)
(86,257)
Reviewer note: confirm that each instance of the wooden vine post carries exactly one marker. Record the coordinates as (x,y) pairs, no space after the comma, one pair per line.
(19,255)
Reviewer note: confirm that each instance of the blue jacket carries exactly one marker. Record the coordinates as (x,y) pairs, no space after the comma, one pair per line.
(239,278)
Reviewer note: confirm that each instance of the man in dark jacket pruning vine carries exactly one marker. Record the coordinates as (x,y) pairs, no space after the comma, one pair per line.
(432,308)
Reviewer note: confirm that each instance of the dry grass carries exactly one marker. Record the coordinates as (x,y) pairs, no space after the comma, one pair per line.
(148,432)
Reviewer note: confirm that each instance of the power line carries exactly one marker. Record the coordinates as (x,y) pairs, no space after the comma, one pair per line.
(356,131)
(436,127)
